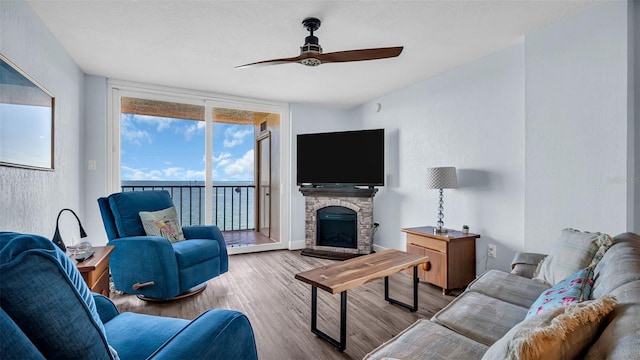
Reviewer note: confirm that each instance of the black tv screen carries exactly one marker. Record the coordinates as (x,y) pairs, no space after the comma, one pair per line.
(341,158)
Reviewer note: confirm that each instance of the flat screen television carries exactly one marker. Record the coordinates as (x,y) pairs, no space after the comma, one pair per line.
(351,158)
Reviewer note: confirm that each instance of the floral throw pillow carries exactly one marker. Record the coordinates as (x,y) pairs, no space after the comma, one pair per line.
(163,223)
(574,289)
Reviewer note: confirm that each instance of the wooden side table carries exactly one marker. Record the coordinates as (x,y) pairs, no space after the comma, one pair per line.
(95,270)
(452,256)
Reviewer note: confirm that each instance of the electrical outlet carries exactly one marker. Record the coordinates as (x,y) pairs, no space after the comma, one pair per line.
(491,251)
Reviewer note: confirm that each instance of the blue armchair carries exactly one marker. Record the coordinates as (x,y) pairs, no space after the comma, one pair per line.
(152,266)
(48,312)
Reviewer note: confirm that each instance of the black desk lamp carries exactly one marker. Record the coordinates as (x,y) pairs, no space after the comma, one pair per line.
(57,239)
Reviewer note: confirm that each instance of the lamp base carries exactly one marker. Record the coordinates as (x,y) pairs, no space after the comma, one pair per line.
(440,231)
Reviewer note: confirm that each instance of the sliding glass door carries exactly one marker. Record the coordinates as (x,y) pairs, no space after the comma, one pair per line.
(205,155)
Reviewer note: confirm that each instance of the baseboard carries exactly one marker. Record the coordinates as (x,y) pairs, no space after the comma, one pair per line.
(300,244)
(297,245)
(378,248)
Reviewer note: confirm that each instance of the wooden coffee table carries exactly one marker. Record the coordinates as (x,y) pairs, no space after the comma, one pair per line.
(342,276)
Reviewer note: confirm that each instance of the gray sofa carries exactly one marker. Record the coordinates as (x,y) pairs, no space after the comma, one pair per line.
(497,301)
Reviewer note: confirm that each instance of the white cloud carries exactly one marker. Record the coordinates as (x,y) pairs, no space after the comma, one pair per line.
(242,168)
(140,174)
(160,123)
(171,173)
(191,130)
(129,132)
(235,136)
(221,159)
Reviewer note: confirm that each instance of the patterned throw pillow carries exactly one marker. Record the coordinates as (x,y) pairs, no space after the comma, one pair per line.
(574,289)
(163,223)
(562,333)
(574,250)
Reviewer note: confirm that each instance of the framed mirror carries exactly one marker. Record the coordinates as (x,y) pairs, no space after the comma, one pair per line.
(26,120)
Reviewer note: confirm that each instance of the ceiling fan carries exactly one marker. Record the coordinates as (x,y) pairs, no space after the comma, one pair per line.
(311,52)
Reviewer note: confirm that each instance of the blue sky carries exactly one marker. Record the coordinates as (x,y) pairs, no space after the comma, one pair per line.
(155,148)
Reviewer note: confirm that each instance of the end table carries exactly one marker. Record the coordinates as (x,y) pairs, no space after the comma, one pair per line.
(95,270)
(452,256)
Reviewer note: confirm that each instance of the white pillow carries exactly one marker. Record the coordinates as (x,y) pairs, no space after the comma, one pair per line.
(163,223)
(574,250)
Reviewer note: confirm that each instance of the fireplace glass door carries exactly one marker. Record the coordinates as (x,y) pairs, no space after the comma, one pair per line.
(337,227)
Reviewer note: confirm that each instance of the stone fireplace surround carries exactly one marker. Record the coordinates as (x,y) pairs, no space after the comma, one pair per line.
(357,199)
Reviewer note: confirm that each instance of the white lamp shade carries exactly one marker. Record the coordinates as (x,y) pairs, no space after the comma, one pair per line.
(442,178)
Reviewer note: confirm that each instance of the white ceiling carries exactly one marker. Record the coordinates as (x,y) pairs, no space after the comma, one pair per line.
(196,44)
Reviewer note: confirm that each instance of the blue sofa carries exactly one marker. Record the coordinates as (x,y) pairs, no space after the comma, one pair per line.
(48,312)
(174,268)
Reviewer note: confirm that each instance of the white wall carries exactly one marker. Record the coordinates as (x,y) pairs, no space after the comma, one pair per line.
(634,43)
(95,148)
(310,119)
(472,118)
(576,147)
(31,199)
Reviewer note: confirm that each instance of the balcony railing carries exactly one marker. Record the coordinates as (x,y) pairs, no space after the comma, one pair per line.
(233,204)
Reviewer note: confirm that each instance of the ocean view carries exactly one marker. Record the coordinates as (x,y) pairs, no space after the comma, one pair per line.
(233,201)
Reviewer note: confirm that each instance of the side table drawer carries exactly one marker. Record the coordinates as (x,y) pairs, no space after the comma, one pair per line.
(426,242)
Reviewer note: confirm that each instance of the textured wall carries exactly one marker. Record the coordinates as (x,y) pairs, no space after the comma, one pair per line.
(31,199)
(576,126)
(472,118)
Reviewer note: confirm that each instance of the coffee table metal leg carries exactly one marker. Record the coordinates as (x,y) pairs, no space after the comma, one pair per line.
(339,345)
(415,292)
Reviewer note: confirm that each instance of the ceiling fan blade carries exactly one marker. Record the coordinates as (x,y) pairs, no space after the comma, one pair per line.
(360,55)
(274,61)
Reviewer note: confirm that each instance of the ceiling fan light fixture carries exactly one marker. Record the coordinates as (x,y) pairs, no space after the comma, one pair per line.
(310,62)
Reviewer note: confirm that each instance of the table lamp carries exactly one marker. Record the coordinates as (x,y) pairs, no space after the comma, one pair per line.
(57,239)
(441,178)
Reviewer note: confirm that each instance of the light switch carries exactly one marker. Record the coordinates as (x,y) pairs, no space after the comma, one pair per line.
(92,165)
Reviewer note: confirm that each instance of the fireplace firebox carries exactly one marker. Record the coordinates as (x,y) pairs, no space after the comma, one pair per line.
(337,227)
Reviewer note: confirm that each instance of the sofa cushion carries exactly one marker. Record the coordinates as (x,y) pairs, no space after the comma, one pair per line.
(163,223)
(574,289)
(14,344)
(57,313)
(620,337)
(194,251)
(619,265)
(508,287)
(137,336)
(126,206)
(427,340)
(574,250)
(480,317)
(561,333)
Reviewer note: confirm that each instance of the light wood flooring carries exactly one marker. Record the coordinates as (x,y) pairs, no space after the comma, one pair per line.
(262,286)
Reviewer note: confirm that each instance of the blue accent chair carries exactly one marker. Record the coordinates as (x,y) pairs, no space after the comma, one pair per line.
(174,268)
(48,312)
